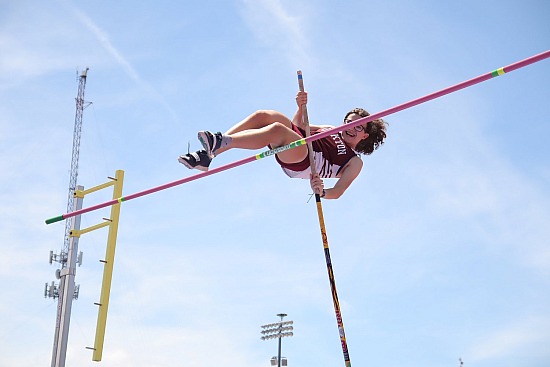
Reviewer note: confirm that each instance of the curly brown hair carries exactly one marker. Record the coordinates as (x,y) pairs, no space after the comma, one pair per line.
(376,130)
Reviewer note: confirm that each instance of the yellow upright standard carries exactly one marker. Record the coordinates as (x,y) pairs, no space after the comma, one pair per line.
(108,269)
(109,261)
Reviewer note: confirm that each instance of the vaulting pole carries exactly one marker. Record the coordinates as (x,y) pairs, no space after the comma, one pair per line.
(324,237)
(429,97)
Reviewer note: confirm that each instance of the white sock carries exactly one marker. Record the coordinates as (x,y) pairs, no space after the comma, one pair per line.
(226,140)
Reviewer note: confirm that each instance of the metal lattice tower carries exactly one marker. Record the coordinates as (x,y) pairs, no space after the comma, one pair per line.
(80,105)
(66,290)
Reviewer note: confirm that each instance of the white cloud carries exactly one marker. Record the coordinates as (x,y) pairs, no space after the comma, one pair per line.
(527,338)
(128,68)
(471,180)
(106,43)
(32,48)
(271,22)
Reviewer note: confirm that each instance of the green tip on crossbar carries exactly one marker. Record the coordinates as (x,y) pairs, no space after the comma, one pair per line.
(54,219)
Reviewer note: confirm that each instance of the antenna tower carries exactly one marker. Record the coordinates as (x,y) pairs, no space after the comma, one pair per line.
(66,289)
(80,106)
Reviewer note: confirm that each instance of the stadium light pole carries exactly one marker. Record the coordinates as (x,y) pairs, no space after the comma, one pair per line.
(278,330)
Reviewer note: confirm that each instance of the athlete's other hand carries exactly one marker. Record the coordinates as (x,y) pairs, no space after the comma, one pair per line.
(316,183)
(301,98)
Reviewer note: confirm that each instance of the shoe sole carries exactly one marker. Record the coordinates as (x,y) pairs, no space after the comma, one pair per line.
(200,168)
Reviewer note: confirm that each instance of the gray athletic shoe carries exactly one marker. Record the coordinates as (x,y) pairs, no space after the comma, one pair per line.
(210,142)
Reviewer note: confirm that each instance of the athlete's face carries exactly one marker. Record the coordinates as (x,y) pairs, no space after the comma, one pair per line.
(355,134)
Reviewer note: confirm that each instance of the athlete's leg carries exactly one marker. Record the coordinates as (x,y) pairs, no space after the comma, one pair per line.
(258,120)
(263,128)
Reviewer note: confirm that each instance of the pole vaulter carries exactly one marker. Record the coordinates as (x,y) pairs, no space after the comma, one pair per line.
(414,102)
(324,237)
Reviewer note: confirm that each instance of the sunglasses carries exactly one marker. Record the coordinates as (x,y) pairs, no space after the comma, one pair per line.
(357,128)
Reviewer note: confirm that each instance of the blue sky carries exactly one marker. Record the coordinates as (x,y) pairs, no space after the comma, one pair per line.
(440,248)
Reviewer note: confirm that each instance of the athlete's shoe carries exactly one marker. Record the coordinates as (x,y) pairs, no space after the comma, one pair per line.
(199,160)
(210,142)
